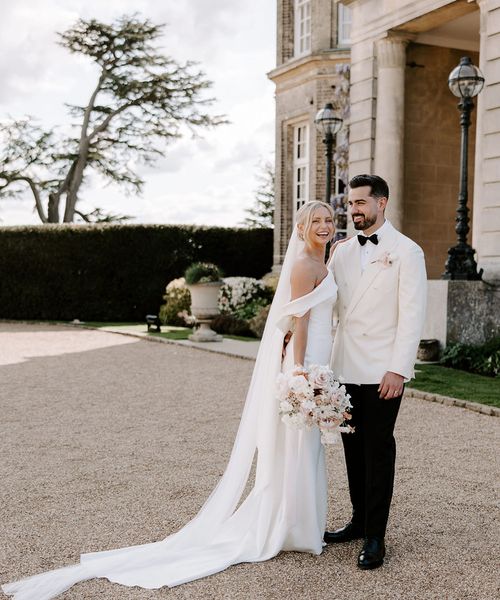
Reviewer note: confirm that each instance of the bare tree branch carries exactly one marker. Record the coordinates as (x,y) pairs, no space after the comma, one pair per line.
(36,195)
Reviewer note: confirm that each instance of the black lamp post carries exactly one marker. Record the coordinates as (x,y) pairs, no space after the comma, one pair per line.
(465,82)
(328,124)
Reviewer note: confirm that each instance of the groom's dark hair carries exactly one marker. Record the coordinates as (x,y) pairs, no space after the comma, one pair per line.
(379,187)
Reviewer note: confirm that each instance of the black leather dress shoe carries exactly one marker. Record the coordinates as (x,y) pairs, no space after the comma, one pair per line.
(344,534)
(372,554)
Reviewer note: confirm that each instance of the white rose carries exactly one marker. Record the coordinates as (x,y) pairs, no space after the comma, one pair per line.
(285,406)
(308,405)
(282,385)
(300,386)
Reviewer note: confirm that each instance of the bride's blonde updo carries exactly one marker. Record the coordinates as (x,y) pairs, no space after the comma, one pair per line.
(305,216)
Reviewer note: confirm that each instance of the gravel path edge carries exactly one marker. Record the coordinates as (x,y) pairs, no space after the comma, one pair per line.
(409,392)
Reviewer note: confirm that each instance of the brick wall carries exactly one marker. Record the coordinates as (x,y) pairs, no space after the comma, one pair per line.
(293,105)
(296,103)
(303,86)
(285,29)
(324,93)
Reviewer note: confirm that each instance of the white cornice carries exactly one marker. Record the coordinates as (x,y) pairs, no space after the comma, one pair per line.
(395,18)
(305,64)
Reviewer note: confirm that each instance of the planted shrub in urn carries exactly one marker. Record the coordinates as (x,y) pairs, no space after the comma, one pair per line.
(204,281)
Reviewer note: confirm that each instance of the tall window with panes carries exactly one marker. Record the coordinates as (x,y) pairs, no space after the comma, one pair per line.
(344,20)
(302,26)
(300,166)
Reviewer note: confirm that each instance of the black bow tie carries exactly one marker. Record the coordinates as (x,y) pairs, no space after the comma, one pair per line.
(362,239)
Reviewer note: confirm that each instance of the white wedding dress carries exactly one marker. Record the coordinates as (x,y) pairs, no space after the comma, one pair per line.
(285,509)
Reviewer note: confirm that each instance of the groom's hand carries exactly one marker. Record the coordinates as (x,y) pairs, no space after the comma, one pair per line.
(335,245)
(391,386)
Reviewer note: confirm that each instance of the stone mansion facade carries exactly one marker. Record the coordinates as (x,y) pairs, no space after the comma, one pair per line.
(404,121)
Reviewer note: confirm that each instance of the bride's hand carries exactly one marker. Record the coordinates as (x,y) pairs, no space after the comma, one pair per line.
(286,340)
(301,370)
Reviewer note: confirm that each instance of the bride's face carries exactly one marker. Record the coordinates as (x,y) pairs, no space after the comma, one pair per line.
(321,229)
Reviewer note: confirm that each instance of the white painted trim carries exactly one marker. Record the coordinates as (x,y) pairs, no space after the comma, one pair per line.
(300,165)
(394,18)
(344,21)
(302,28)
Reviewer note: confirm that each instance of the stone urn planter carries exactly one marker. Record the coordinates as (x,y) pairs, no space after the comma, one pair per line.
(203,281)
(204,307)
(428,350)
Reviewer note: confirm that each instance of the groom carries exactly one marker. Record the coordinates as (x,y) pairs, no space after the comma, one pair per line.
(381,281)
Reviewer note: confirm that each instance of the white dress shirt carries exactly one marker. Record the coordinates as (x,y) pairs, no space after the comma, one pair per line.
(368,249)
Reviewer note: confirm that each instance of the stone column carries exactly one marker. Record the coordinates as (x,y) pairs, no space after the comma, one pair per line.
(389,127)
(486,204)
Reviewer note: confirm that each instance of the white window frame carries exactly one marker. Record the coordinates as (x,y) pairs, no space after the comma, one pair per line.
(344,23)
(300,166)
(302,27)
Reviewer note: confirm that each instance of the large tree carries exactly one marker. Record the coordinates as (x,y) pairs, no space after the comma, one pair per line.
(141,101)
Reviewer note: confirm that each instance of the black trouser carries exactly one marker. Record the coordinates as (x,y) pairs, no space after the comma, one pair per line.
(370,454)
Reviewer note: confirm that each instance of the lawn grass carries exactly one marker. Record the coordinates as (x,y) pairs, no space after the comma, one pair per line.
(172,334)
(168,332)
(101,324)
(183,334)
(457,384)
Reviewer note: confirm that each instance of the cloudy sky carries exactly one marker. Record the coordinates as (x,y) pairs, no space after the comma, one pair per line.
(204,181)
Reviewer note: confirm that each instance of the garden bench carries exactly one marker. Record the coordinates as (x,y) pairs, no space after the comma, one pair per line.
(153,321)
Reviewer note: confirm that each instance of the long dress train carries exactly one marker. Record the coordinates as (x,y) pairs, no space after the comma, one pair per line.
(286,508)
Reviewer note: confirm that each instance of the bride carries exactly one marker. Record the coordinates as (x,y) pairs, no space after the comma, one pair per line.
(286,508)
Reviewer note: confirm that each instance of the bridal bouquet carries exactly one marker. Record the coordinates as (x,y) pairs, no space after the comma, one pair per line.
(312,397)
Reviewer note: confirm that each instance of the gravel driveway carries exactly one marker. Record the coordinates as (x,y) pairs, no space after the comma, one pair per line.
(108,441)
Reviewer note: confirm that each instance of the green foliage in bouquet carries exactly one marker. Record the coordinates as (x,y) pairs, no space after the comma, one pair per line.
(483,360)
(177,303)
(201,272)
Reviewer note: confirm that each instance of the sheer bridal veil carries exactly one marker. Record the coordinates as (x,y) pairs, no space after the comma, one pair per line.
(228,529)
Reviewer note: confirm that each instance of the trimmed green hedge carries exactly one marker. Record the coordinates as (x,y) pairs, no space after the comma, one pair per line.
(113,272)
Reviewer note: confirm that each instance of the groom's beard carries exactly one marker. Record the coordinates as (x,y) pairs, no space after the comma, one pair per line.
(363,223)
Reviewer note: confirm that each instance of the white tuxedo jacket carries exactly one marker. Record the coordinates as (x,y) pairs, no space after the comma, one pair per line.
(381,311)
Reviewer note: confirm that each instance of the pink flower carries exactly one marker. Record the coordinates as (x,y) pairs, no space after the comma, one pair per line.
(320,376)
(386,259)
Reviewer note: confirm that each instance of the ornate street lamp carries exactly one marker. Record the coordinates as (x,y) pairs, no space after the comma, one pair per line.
(465,82)
(328,124)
